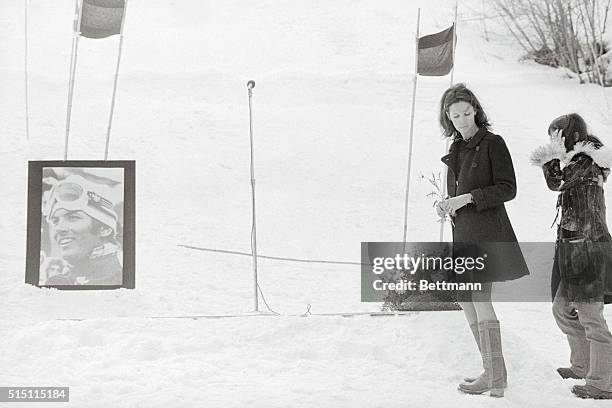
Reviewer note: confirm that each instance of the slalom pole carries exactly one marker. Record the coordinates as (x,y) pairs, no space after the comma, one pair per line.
(453,44)
(76,35)
(112,109)
(75,25)
(414,87)
(444,185)
(250,86)
(27,109)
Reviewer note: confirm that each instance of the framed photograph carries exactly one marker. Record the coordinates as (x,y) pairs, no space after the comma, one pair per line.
(81,224)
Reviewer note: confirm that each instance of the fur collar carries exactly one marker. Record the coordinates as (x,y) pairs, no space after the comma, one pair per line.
(543,154)
(555,150)
(602,156)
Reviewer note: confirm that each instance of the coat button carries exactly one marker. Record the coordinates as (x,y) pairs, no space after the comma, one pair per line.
(474,164)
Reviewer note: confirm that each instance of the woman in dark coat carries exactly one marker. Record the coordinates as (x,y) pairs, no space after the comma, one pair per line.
(480,180)
(576,164)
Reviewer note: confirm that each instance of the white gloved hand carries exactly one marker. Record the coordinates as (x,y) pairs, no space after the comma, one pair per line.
(451,205)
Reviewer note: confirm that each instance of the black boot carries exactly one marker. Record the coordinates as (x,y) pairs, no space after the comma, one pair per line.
(566,372)
(588,391)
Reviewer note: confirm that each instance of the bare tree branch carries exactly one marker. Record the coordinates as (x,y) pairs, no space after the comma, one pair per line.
(568,33)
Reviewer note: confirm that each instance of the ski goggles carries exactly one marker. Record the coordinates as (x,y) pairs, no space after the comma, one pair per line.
(75,194)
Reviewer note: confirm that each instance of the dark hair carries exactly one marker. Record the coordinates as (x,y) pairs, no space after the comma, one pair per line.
(460,93)
(574,129)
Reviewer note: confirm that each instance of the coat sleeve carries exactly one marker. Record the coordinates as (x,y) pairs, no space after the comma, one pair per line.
(559,179)
(553,174)
(504,181)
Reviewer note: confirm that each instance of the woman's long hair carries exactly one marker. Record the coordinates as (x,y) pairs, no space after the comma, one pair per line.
(574,130)
(460,93)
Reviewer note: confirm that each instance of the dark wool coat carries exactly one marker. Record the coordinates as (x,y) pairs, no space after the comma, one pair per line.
(486,172)
(583,251)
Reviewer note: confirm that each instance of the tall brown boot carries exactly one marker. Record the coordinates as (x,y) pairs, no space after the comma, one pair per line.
(476,333)
(474,329)
(494,379)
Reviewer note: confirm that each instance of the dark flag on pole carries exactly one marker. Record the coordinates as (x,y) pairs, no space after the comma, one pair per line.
(435,55)
(101,18)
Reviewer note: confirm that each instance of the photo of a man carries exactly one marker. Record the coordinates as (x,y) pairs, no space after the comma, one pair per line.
(81,226)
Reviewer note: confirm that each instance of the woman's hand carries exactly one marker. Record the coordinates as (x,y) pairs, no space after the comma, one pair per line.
(440,210)
(556,138)
(451,205)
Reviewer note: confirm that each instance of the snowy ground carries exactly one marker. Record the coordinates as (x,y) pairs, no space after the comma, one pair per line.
(332,109)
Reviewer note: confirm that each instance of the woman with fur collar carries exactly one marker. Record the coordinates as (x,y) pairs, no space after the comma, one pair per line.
(576,164)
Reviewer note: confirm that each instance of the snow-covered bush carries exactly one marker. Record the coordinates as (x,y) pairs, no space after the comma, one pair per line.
(574,34)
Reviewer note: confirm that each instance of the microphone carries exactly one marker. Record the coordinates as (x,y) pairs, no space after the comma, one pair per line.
(251,84)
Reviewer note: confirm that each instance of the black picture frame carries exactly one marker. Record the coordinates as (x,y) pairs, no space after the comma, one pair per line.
(35,219)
